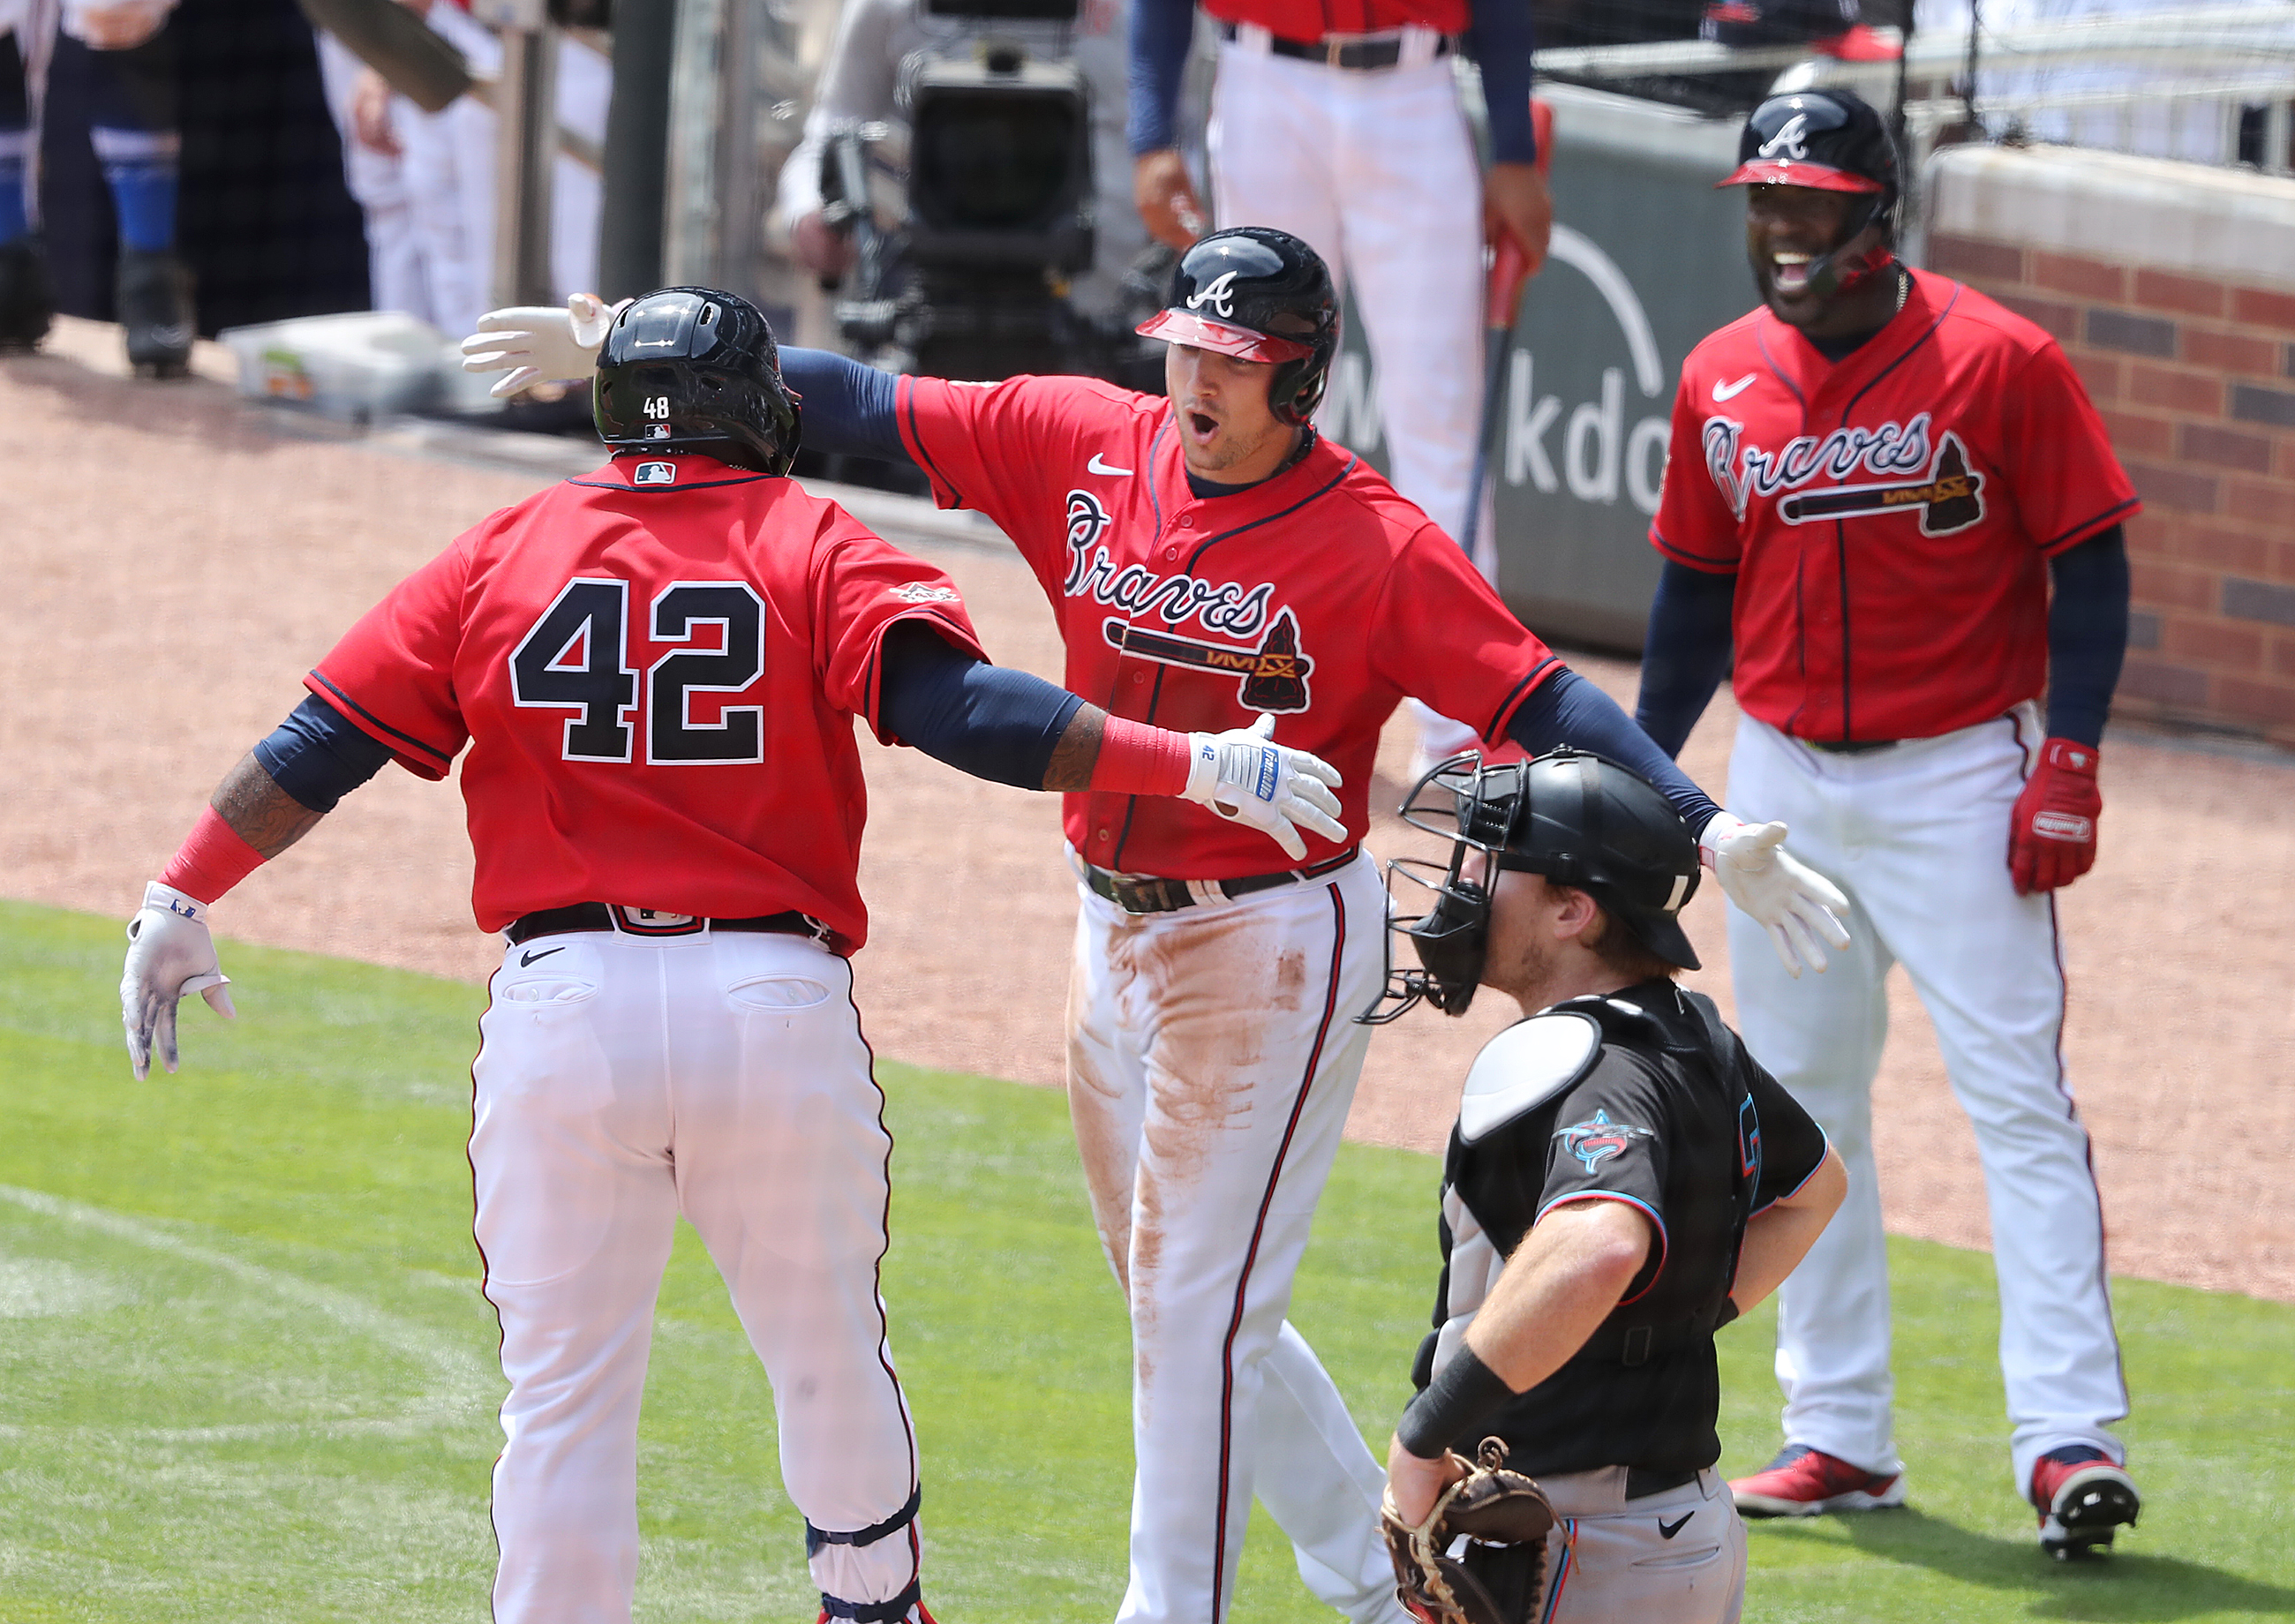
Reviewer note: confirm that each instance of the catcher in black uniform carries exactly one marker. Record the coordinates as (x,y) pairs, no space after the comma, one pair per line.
(1622,1181)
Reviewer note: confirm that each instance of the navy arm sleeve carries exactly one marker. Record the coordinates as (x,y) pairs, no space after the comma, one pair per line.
(2088,634)
(1500,35)
(1686,654)
(982,719)
(1162,30)
(850,410)
(1566,709)
(318,755)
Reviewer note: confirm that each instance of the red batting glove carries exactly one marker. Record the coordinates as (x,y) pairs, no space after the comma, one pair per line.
(2052,832)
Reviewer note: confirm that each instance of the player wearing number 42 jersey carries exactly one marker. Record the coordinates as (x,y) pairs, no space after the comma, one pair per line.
(1894,496)
(1209,559)
(657,668)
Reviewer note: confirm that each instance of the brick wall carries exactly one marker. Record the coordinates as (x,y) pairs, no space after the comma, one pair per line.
(2195,379)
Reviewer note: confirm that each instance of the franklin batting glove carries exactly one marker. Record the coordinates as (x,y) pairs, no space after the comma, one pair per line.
(2052,832)
(1244,775)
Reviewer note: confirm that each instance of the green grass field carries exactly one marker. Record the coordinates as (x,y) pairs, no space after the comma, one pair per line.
(245,1372)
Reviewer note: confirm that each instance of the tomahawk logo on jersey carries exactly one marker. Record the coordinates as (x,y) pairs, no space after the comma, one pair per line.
(574,632)
(1890,517)
(1200,614)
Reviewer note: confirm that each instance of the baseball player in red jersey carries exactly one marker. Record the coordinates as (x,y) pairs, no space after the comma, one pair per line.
(657,670)
(1339,121)
(1210,560)
(1874,482)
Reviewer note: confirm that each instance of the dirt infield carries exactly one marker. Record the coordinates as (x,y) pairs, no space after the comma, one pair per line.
(184,558)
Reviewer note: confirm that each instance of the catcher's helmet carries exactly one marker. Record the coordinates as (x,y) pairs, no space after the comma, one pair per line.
(1829,140)
(1257,294)
(1576,819)
(693,369)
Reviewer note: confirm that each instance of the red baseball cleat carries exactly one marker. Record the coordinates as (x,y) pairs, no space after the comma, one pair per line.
(2082,1497)
(1803,1482)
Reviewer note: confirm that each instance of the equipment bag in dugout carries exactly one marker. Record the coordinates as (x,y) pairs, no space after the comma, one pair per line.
(1500,1577)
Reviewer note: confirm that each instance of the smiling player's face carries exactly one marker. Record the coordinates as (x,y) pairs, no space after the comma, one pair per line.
(1228,432)
(1787,229)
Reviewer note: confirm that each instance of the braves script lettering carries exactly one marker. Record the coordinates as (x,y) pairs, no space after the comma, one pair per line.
(1221,605)
(1742,471)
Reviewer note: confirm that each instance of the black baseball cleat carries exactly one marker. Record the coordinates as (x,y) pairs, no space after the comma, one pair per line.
(155,312)
(2082,1498)
(28,302)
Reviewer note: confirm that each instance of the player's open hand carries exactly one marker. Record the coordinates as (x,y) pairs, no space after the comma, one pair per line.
(1244,774)
(170,956)
(540,342)
(1799,907)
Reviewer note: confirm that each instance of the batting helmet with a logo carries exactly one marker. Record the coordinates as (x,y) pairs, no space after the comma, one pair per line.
(1258,293)
(696,370)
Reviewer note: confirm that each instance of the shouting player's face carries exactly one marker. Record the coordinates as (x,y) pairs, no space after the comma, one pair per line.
(1787,230)
(1228,432)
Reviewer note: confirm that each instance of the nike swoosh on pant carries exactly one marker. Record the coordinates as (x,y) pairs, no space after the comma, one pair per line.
(1665,1531)
(524,959)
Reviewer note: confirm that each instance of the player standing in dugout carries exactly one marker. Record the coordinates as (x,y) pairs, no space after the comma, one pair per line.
(1208,556)
(657,668)
(1623,1180)
(1874,481)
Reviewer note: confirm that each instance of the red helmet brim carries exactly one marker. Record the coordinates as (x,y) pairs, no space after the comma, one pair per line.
(1186,327)
(1785,171)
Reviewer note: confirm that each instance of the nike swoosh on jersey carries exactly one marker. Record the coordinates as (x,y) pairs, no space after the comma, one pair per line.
(1726,391)
(1097,467)
(1665,1532)
(524,959)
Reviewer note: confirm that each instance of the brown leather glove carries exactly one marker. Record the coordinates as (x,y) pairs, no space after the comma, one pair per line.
(1492,1507)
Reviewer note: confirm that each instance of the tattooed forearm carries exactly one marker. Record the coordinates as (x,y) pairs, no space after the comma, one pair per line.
(1078,750)
(259,812)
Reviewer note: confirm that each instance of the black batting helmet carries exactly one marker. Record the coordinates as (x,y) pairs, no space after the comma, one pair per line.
(1258,293)
(1830,141)
(694,369)
(1576,819)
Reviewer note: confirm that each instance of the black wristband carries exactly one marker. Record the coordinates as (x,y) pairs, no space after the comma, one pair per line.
(1465,1393)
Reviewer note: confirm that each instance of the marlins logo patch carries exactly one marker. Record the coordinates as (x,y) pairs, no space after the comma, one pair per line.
(1598,1139)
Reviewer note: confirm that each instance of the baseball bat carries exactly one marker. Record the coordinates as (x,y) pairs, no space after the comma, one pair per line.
(397,45)
(1501,309)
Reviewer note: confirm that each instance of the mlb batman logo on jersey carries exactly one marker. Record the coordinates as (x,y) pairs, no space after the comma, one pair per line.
(1597,1140)
(1934,478)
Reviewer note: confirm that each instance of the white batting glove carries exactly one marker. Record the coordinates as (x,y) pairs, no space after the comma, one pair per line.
(1799,907)
(170,956)
(540,342)
(1244,775)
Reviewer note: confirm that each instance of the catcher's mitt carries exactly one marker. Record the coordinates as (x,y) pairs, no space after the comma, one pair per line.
(1501,1579)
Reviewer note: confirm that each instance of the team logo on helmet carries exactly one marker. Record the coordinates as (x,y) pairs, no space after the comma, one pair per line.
(1789,142)
(1215,293)
(1598,1139)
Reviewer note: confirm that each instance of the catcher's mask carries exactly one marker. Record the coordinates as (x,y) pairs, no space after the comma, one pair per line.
(1579,819)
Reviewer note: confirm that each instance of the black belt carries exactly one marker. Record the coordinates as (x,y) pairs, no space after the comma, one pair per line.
(653,922)
(1138,893)
(1360,53)
(1642,1482)
(1851,746)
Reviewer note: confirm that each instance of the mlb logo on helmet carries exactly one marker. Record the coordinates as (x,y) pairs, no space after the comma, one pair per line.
(657,473)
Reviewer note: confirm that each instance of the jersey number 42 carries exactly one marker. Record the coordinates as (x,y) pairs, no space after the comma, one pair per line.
(576,657)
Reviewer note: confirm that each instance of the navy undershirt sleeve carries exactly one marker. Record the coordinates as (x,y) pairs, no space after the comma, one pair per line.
(992,723)
(1686,654)
(1566,709)
(850,410)
(318,756)
(2088,634)
(1500,35)
(1162,30)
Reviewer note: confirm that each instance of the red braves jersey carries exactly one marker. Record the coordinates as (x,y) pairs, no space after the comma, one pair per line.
(1888,517)
(657,668)
(1310,21)
(1319,596)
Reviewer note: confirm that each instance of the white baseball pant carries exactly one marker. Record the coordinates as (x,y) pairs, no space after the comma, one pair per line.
(1211,1058)
(1376,172)
(1917,837)
(620,1083)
